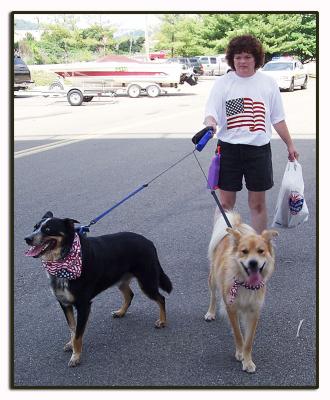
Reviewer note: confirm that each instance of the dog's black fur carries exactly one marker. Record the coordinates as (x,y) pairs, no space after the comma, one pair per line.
(106,260)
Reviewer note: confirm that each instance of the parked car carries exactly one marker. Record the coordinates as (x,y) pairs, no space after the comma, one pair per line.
(214,65)
(22,74)
(197,65)
(288,73)
(184,61)
(224,67)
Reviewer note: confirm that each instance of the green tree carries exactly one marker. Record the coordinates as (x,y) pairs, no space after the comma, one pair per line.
(292,33)
(167,36)
(97,39)
(130,45)
(57,43)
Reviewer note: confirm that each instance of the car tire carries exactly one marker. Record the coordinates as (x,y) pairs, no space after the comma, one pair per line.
(291,87)
(304,86)
(134,91)
(75,97)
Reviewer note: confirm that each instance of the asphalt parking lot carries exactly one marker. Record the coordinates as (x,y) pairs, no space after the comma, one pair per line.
(77,162)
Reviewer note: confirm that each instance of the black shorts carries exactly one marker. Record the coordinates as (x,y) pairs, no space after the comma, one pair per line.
(252,162)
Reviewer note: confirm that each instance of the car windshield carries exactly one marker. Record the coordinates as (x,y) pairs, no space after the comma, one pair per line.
(280,66)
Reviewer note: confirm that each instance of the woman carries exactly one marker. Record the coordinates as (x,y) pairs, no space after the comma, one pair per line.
(245,104)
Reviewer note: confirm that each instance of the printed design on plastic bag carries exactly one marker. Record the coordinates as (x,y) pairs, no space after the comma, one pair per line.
(296,202)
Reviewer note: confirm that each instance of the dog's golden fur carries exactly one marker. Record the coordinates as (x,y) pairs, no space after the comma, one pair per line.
(240,255)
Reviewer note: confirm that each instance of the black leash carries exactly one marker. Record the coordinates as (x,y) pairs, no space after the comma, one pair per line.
(205,136)
(85,228)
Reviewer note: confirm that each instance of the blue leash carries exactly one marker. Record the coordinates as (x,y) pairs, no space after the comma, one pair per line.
(199,147)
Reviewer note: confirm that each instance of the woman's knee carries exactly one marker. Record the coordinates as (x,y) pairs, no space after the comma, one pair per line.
(228,200)
(227,205)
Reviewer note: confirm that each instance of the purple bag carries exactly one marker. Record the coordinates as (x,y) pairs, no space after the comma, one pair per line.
(214,171)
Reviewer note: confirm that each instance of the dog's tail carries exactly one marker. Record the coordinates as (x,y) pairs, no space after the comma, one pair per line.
(164,281)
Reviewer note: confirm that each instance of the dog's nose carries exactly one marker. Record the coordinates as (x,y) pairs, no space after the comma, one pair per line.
(28,240)
(253,265)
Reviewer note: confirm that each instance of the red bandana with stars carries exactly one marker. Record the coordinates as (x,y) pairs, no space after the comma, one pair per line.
(70,266)
(234,289)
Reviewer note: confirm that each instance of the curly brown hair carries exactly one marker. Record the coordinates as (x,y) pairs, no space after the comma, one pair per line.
(245,44)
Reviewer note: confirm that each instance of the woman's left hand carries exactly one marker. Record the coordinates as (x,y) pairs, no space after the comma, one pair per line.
(293,154)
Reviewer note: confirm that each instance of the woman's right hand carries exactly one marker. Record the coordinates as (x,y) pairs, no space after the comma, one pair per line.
(210,121)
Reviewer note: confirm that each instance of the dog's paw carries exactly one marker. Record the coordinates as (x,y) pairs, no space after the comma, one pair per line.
(160,324)
(117,314)
(209,317)
(239,355)
(74,360)
(249,366)
(68,346)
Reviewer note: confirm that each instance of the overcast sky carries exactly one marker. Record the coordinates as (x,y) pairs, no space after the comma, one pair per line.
(122,21)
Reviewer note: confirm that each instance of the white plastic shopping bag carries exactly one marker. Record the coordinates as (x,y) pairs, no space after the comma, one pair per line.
(291,208)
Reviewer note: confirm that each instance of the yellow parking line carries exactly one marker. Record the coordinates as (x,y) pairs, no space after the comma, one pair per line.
(45,147)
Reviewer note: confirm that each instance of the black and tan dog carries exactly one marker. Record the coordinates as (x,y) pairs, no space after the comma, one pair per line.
(81,267)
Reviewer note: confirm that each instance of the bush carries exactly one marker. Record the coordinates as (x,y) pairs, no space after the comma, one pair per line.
(43,78)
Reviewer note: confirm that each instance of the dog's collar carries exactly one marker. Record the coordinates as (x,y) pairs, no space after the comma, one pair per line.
(234,289)
(70,266)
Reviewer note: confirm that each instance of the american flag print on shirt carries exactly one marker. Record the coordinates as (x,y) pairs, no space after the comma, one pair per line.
(245,112)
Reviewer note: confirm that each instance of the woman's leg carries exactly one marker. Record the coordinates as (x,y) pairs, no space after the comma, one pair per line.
(258,210)
(227,201)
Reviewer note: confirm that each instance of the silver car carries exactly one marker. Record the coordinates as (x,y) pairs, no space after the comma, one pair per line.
(288,73)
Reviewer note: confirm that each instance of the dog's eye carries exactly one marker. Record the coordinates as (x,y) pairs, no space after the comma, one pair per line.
(47,229)
(261,251)
(245,251)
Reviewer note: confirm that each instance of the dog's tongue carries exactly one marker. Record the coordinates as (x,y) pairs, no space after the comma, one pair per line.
(254,279)
(33,251)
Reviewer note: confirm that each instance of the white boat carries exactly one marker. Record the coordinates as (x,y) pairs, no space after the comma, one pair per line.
(112,73)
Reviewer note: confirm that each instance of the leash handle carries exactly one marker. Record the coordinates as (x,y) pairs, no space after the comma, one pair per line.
(201,144)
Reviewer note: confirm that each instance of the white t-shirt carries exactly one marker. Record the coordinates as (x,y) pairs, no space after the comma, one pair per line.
(245,108)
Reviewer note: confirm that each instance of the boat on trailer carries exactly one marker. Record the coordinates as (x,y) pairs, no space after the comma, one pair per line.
(118,74)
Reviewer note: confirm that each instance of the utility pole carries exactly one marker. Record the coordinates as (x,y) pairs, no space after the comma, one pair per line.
(146,37)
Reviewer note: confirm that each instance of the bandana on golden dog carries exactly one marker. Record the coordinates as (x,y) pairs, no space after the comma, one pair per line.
(241,264)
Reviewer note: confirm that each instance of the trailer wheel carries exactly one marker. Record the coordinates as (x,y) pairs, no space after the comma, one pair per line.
(153,91)
(75,97)
(56,86)
(134,91)
(87,99)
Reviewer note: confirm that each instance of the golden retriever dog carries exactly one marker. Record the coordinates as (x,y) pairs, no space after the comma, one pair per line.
(241,264)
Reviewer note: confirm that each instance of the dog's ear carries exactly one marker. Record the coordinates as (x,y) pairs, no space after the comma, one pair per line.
(268,235)
(71,222)
(234,233)
(48,214)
